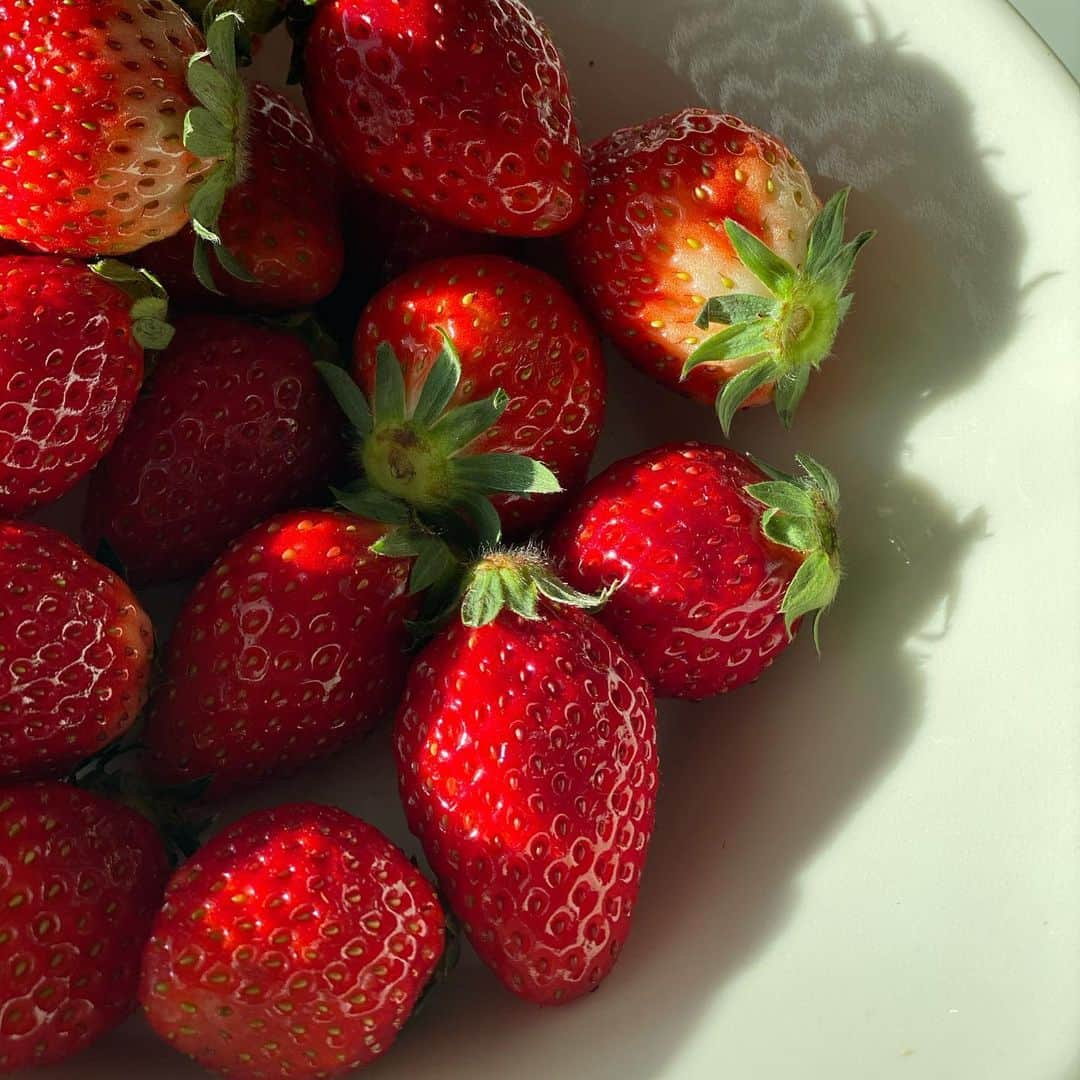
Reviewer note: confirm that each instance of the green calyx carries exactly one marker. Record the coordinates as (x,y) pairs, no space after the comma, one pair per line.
(801,514)
(415,461)
(784,336)
(516,580)
(260,16)
(216,128)
(149,301)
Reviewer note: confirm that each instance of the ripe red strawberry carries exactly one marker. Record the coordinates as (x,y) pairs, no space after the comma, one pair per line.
(526,750)
(71,361)
(104,145)
(397,238)
(705,256)
(295,943)
(282,222)
(81,879)
(460,109)
(521,372)
(293,643)
(716,559)
(75,650)
(235,425)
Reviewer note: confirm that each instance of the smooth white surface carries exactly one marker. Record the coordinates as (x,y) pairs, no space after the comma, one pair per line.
(867,866)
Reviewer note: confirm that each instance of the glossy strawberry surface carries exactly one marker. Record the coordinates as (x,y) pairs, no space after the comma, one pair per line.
(527,765)
(515,329)
(235,424)
(92,159)
(70,369)
(294,944)
(282,222)
(293,643)
(460,109)
(700,585)
(81,879)
(75,651)
(651,247)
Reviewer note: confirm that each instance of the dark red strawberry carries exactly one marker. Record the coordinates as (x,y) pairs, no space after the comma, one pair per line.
(81,879)
(295,944)
(705,256)
(397,238)
(116,127)
(294,642)
(716,558)
(526,750)
(71,362)
(460,109)
(235,424)
(75,650)
(282,222)
(507,351)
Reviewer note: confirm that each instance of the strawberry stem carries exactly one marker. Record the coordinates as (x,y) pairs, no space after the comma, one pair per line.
(782,337)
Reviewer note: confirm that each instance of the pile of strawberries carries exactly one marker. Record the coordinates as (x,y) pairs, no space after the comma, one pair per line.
(400,528)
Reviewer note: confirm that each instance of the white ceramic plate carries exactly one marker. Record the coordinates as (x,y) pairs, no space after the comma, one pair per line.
(867,866)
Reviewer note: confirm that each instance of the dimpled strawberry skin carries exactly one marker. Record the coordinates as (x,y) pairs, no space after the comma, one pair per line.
(515,329)
(69,371)
(235,424)
(291,644)
(701,585)
(460,109)
(80,882)
(296,943)
(92,160)
(651,247)
(282,222)
(75,651)
(527,766)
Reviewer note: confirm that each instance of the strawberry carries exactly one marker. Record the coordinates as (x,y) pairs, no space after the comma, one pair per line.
(282,222)
(460,109)
(293,643)
(116,126)
(397,238)
(715,557)
(295,943)
(526,753)
(75,651)
(80,882)
(697,219)
(509,352)
(234,425)
(72,340)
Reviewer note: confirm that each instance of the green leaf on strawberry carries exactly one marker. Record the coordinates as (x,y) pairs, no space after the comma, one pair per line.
(801,514)
(417,456)
(786,335)
(150,303)
(216,128)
